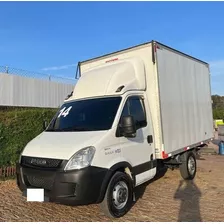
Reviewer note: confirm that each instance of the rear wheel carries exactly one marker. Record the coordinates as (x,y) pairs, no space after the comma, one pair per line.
(118,198)
(188,167)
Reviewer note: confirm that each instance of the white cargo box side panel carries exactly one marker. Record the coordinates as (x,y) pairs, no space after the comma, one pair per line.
(185,99)
(143,52)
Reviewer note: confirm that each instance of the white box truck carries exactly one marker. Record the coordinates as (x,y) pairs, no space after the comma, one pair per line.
(131,112)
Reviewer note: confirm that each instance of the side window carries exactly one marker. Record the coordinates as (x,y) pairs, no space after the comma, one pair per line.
(134,106)
(125,111)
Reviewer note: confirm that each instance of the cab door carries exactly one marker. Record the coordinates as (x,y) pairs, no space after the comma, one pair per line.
(139,150)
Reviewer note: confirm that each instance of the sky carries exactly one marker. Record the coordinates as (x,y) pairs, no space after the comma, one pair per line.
(51,37)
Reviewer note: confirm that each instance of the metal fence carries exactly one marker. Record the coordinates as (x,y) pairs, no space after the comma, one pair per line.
(9,171)
(37,75)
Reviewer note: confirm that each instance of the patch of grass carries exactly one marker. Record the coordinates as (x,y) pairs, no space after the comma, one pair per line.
(17,127)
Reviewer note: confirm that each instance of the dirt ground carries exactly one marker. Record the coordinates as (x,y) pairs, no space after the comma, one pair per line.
(165,199)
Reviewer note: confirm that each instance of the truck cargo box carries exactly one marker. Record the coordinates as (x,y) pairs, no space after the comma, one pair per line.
(178,91)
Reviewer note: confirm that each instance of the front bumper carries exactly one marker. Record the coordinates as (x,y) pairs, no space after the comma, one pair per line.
(78,187)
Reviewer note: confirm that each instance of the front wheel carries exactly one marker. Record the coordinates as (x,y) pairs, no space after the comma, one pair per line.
(188,167)
(118,198)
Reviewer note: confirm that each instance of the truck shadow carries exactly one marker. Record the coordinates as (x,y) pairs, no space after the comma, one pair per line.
(187,192)
(189,195)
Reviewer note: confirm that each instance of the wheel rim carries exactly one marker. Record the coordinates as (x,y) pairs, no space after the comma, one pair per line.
(120,195)
(191,165)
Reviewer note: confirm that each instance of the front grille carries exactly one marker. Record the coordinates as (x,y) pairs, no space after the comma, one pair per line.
(40,182)
(40,162)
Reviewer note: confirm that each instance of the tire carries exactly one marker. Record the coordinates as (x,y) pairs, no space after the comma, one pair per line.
(113,206)
(188,167)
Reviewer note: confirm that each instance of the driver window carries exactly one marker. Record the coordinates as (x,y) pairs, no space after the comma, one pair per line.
(134,106)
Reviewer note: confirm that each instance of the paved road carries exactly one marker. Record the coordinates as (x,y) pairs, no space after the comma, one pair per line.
(166,199)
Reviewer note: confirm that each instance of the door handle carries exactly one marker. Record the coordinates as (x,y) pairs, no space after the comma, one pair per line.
(149,139)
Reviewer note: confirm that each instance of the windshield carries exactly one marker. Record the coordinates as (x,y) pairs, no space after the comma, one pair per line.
(86,115)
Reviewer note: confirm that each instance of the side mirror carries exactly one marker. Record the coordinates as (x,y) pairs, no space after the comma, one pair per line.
(127,127)
(45,124)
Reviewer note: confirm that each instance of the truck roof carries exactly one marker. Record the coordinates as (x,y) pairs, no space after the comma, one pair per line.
(146,43)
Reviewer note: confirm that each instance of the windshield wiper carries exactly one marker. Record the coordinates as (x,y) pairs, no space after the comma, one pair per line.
(79,129)
(71,129)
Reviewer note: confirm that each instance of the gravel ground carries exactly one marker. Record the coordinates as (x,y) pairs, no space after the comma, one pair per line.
(165,199)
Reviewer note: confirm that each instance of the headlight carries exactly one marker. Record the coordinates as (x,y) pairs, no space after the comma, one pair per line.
(81,159)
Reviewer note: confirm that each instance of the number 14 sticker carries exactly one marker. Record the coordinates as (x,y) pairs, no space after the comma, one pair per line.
(64,112)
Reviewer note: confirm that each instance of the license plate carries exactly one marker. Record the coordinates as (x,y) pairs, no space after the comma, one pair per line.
(34,194)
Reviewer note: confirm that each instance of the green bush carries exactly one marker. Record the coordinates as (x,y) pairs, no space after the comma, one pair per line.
(17,128)
(218,113)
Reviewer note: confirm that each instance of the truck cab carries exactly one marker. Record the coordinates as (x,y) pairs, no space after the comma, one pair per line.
(93,137)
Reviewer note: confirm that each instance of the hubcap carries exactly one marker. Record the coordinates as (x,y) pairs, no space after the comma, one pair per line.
(120,195)
(191,165)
